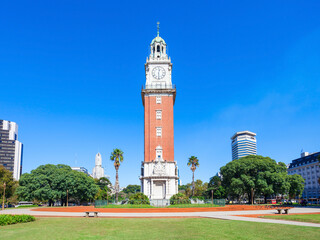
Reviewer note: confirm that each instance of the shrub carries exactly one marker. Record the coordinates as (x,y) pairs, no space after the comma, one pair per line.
(28,206)
(197,198)
(6,219)
(138,198)
(179,198)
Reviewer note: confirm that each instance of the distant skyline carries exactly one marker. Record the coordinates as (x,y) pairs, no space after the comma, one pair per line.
(71,74)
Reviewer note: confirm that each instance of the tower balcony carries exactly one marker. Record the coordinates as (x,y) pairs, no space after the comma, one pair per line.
(158,88)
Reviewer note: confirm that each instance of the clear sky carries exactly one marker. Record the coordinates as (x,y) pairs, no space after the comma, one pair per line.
(71,74)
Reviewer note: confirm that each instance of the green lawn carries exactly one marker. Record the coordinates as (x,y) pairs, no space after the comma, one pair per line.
(313,218)
(149,206)
(193,205)
(153,228)
(127,206)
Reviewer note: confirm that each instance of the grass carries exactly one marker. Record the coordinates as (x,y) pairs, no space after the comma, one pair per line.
(312,218)
(193,205)
(149,206)
(126,206)
(153,228)
(28,206)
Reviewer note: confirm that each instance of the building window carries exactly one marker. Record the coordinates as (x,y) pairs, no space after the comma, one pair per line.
(158,114)
(158,99)
(159,131)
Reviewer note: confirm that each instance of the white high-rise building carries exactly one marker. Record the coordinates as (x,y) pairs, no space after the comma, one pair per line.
(10,148)
(98,171)
(243,144)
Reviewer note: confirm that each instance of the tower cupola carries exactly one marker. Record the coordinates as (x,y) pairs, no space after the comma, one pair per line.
(158,47)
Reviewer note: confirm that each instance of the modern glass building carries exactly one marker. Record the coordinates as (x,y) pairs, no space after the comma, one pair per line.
(81,169)
(10,148)
(243,144)
(308,167)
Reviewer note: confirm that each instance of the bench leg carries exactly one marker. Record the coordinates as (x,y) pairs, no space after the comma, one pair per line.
(286,211)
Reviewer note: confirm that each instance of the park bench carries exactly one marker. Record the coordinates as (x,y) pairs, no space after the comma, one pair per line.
(94,212)
(286,210)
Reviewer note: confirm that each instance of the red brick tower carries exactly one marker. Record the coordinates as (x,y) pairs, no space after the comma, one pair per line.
(159,178)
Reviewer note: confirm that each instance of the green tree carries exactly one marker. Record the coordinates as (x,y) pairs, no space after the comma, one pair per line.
(138,198)
(132,189)
(215,188)
(194,163)
(179,198)
(6,179)
(117,158)
(104,185)
(200,188)
(296,185)
(254,175)
(49,183)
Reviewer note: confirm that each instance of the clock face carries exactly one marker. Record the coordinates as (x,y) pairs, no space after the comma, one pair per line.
(158,72)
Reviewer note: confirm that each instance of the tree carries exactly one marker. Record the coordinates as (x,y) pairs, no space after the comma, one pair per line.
(117,158)
(139,198)
(6,179)
(104,185)
(132,189)
(50,183)
(179,198)
(200,188)
(194,163)
(296,185)
(254,175)
(215,188)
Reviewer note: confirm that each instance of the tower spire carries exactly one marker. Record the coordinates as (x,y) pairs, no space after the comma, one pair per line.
(158,27)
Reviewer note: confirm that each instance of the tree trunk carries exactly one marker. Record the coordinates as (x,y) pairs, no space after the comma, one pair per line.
(192,183)
(117,184)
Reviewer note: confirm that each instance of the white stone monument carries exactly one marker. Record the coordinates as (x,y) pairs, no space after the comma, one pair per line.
(98,171)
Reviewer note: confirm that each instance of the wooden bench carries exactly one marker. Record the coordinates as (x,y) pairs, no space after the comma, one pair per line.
(286,210)
(94,212)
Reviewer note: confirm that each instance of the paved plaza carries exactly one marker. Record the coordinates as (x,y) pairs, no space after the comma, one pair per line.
(223,215)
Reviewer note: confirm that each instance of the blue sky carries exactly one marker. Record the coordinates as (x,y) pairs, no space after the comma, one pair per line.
(71,74)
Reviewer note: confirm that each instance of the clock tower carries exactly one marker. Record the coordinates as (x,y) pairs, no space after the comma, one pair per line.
(159,171)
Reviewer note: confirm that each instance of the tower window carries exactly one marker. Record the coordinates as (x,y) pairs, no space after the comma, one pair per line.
(158,114)
(159,131)
(158,99)
(158,48)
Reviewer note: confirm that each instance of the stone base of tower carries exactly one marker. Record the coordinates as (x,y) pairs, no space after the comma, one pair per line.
(159,180)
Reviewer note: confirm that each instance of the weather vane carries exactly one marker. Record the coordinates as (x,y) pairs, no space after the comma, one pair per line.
(158,27)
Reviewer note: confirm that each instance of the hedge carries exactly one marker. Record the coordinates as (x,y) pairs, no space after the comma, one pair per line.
(6,219)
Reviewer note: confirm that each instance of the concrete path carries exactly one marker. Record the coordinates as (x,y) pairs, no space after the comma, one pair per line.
(227,215)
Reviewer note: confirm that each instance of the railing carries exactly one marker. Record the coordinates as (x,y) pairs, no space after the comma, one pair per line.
(164,203)
(159,86)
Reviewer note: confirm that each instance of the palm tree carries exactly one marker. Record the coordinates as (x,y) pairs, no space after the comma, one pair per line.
(117,157)
(194,162)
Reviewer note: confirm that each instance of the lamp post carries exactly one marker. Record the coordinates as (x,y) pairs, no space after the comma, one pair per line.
(4,194)
(67,197)
(212,196)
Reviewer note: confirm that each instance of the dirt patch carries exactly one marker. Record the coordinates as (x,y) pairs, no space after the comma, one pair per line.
(151,210)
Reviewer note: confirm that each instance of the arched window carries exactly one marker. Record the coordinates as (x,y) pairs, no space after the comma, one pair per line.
(158,48)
